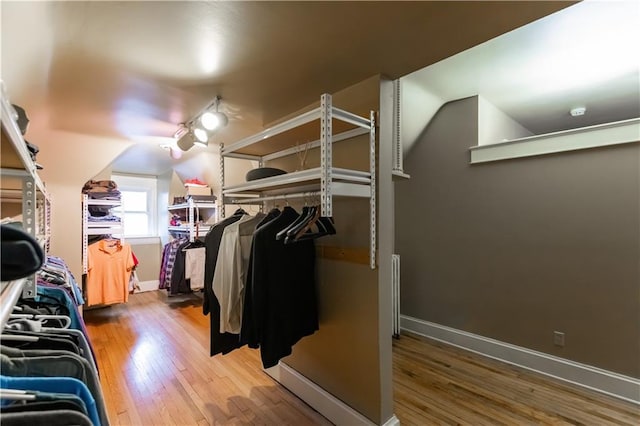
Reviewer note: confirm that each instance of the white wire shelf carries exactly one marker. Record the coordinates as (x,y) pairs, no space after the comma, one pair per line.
(296,178)
(202,229)
(309,120)
(15,157)
(102,202)
(102,228)
(331,125)
(183,206)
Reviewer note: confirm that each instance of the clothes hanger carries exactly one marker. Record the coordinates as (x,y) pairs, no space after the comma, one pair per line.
(196,243)
(293,230)
(19,338)
(66,320)
(297,232)
(325,227)
(282,234)
(16,395)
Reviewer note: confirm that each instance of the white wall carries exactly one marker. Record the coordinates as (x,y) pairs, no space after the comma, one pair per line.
(495,126)
(418,106)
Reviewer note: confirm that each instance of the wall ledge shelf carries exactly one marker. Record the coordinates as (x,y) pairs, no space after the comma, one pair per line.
(608,134)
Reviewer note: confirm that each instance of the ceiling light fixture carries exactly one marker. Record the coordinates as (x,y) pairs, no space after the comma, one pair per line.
(200,134)
(182,130)
(200,129)
(577,111)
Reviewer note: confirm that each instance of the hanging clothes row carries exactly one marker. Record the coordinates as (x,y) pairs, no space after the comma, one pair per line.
(182,266)
(260,285)
(49,374)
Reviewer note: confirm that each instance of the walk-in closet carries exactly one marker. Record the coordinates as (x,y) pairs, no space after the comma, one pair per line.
(320,213)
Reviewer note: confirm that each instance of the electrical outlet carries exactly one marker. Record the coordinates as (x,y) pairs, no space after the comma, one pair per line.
(558,338)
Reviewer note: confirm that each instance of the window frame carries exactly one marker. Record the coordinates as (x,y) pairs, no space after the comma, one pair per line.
(148,185)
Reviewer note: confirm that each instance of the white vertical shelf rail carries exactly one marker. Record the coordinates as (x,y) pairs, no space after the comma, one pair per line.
(29,206)
(47,223)
(30,226)
(372,198)
(325,156)
(191,218)
(398,165)
(395,296)
(85,232)
(222,206)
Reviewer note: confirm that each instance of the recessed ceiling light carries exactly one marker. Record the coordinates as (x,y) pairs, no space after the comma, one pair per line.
(578,111)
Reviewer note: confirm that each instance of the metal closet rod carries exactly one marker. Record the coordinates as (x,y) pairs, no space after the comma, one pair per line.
(249,200)
(11,292)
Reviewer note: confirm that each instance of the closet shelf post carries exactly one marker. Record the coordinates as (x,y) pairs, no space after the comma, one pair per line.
(325,155)
(11,291)
(30,226)
(222,208)
(372,198)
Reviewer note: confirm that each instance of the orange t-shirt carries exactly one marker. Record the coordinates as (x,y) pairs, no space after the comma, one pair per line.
(109,267)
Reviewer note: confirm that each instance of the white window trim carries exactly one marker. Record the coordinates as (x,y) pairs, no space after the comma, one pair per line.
(616,133)
(149,185)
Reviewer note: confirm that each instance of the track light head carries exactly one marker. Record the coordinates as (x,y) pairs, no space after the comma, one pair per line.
(198,130)
(200,135)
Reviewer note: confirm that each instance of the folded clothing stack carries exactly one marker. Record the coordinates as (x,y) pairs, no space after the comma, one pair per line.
(23,123)
(102,190)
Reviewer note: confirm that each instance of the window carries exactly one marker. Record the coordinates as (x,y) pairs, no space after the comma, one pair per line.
(139,205)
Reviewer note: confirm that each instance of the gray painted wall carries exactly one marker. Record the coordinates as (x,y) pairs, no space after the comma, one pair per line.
(513,250)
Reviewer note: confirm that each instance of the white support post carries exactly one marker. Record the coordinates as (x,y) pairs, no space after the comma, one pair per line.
(191,218)
(29,221)
(47,223)
(325,155)
(222,209)
(372,199)
(397,135)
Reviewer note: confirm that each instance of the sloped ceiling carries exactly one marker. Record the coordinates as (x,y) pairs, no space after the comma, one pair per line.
(583,56)
(135,70)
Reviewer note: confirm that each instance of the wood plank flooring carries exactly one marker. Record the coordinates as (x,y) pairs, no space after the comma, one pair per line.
(438,384)
(155,369)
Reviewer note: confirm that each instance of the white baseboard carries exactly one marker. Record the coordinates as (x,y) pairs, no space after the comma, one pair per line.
(148,285)
(319,399)
(614,384)
(393,421)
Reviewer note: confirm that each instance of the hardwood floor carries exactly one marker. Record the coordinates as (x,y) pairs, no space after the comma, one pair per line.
(155,369)
(439,384)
